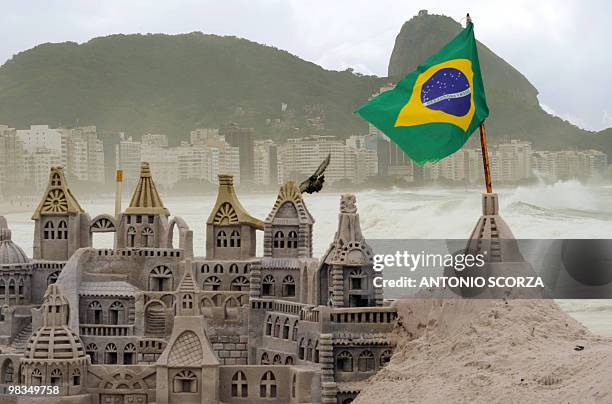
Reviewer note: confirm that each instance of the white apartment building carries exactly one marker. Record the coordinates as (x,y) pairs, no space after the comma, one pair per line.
(128,158)
(84,154)
(39,165)
(42,137)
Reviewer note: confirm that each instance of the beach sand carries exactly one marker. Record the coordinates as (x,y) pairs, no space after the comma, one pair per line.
(485,351)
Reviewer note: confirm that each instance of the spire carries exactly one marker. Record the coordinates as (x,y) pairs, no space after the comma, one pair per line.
(228,209)
(57,199)
(145,199)
(5,232)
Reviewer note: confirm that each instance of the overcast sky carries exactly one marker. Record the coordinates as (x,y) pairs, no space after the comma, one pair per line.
(562,47)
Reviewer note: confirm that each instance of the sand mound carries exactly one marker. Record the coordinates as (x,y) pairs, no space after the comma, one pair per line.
(485,351)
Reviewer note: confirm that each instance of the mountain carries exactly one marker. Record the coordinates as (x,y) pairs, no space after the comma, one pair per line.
(174,83)
(514,109)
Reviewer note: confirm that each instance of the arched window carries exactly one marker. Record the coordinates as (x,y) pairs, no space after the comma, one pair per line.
(385,357)
(267,286)
(344,361)
(36,377)
(92,351)
(2,287)
(265,359)
(212,283)
(277,327)
(246,269)
(94,313)
(8,372)
(286,329)
(292,239)
(147,237)
(295,331)
(235,239)
(116,313)
(218,269)
(358,280)
(185,381)
(55,180)
(49,231)
(161,279)
(131,236)
(110,354)
(365,362)
(279,239)
(129,354)
(288,286)
(233,269)
(240,385)
(302,350)
(289,360)
(52,278)
(76,377)
(56,377)
(240,284)
(20,288)
(187,302)
(269,326)
(204,269)
(277,360)
(221,239)
(11,287)
(316,352)
(267,385)
(62,230)
(309,351)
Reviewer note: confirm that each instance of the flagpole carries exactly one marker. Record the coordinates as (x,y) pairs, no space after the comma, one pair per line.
(485,158)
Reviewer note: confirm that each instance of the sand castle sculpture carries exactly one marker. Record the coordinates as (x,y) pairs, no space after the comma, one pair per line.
(149,322)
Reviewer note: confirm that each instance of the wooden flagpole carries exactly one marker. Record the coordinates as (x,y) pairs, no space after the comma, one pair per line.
(485,158)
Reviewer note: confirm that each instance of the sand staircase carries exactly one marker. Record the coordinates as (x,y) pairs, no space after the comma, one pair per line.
(20,341)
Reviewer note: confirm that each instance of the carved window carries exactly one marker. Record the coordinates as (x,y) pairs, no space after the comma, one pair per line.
(315,359)
(218,269)
(187,302)
(62,230)
(344,361)
(365,362)
(269,326)
(212,283)
(76,377)
(265,359)
(92,351)
(240,284)
(277,360)
(302,349)
(288,286)
(52,278)
(267,286)
(309,351)
(49,231)
(235,239)
(292,239)
(11,287)
(129,354)
(240,385)
(110,354)
(147,237)
(116,313)
(295,331)
(286,329)
(277,327)
(131,237)
(8,372)
(161,279)
(279,239)
(36,377)
(56,377)
(204,269)
(289,360)
(358,280)
(221,239)
(185,382)
(267,385)
(385,357)
(94,313)
(233,269)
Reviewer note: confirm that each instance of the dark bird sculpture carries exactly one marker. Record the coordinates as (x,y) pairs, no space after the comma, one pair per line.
(314,183)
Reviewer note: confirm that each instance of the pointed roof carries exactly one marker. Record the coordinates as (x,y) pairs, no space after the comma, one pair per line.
(187,284)
(290,192)
(145,199)
(228,209)
(57,199)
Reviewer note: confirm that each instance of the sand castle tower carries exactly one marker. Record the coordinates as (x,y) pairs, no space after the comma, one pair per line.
(230,229)
(54,354)
(61,225)
(188,364)
(346,275)
(144,224)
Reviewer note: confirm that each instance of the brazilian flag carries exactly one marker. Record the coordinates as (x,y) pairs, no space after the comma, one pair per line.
(433,111)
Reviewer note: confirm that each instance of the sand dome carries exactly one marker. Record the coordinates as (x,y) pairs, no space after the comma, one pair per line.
(10,253)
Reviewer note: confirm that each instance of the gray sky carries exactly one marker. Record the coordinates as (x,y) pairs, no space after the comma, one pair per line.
(561,46)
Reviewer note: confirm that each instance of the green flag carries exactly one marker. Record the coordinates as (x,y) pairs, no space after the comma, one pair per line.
(433,111)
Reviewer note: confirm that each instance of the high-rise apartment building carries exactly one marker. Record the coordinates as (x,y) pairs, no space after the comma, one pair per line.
(243,138)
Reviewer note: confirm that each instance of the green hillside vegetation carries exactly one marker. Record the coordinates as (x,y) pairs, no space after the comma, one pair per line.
(174,83)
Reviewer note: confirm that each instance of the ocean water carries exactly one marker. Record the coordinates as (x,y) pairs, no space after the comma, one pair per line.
(562,210)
